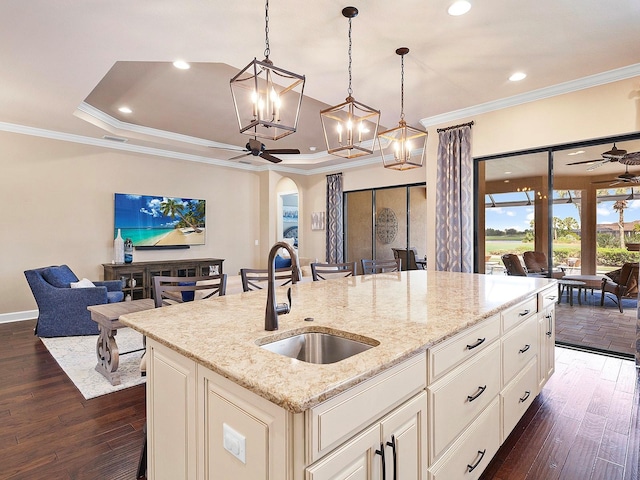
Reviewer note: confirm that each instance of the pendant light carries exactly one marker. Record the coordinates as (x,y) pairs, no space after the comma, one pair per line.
(350,129)
(266,98)
(403,147)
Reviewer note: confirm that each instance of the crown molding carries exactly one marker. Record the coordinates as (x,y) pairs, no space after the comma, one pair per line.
(540,94)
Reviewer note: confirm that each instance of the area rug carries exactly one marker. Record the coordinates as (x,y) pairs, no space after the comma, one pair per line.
(77,357)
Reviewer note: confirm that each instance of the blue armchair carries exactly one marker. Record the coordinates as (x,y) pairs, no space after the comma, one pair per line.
(62,310)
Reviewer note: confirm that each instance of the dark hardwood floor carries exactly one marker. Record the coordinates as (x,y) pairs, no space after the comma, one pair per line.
(48,430)
(584,425)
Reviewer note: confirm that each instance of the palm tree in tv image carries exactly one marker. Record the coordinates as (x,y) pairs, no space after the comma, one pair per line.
(192,218)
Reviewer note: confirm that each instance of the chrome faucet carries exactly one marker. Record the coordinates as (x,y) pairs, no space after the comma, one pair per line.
(274,309)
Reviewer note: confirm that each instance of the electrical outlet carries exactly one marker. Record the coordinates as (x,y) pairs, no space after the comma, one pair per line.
(234,442)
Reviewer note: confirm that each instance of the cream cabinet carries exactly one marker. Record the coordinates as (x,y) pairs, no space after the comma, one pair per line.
(546,335)
(394,446)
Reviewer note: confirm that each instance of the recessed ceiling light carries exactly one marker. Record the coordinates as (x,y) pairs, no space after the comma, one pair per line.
(516,77)
(125,110)
(579,152)
(181,64)
(507,173)
(459,8)
(313,149)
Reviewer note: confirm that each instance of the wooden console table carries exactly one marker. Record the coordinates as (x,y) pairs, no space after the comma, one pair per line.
(107,316)
(137,277)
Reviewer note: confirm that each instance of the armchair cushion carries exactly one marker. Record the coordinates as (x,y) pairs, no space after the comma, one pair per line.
(84,283)
(60,277)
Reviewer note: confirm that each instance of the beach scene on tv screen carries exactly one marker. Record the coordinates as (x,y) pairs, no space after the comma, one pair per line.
(157,221)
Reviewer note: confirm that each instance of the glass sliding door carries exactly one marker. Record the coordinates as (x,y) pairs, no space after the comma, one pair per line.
(377,221)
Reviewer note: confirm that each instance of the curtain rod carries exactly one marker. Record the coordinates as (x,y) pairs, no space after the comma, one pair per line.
(455,126)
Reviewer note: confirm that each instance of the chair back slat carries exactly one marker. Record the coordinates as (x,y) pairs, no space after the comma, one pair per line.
(327,271)
(380,266)
(168,290)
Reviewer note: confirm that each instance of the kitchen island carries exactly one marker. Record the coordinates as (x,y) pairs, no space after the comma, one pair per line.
(219,406)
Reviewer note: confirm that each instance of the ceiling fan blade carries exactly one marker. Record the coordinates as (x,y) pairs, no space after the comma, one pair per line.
(283,151)
(599,164)
(604,181)
(631,159)
(584,162)
(240,156)
(267,156)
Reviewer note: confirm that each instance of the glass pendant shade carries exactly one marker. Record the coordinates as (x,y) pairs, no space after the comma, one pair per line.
(403,147)
(267,100)
(350,129)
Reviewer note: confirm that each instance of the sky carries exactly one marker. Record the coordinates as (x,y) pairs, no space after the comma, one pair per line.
(501,218)
(141,211)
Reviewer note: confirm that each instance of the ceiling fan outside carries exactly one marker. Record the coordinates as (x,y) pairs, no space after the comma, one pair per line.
(258,149)
(626,177)
(614,155)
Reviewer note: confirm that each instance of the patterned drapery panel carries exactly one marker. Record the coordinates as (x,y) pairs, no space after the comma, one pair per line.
(454,201)
(335,241)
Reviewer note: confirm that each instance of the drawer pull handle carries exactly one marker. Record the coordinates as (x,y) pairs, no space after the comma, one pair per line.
(392,444)
(481,390)
(471,468)
(477,344)
(551,297)
(384,466)
(526,347)
(526,395)
(526,312)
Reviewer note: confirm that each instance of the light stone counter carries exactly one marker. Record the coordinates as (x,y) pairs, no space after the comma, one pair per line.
(405,312)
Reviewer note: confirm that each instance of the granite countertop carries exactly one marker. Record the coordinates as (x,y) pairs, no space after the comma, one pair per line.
(405,312)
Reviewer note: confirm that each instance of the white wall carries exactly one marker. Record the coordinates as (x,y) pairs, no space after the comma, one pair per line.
(58,208)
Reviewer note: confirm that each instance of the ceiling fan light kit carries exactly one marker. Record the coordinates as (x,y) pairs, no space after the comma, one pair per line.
(267,98)
(350,128)
(403,147)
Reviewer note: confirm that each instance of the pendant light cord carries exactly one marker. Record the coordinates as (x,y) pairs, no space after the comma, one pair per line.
(350,90)
(402,88)
(267,50)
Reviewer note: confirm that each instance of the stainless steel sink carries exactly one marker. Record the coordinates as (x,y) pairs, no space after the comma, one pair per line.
(318,347)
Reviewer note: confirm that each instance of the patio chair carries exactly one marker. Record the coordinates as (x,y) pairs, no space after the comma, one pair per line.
(407,258)
(622,283)
(536,262)
(513,265)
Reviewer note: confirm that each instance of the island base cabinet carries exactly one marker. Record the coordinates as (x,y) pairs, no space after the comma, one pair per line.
(396,445)
(171,396)
(472,451)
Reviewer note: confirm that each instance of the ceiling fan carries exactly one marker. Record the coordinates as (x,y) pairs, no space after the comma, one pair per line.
(613,155)
(258,149)
(626,177)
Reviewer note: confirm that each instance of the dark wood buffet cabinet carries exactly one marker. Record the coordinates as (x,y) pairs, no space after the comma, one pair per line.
(137,277)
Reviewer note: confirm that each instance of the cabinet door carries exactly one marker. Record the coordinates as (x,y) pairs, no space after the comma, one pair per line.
(171,413)
(355,460)
(547,341)
(404,434)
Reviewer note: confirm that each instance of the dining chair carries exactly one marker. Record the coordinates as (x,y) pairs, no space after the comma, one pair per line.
(170,290)
(380,266)
(327,271)
(256,278)
(408,258)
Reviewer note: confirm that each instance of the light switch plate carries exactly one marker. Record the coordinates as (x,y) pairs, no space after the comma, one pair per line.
(234,442)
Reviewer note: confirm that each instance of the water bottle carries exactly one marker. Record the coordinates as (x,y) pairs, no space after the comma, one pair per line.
(128,251)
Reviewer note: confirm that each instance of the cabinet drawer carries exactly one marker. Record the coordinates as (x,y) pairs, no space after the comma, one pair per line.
(337,419)
(517,397)
(457,398)
(519,346)
(547,297)
(473,450)
(446,355)
(518,313)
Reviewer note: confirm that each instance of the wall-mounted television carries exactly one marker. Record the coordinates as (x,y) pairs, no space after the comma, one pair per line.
(157,221)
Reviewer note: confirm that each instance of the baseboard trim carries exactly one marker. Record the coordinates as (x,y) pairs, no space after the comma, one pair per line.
(18,316)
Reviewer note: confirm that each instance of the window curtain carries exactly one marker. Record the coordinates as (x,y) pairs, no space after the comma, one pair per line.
(335,237)
(454,200)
